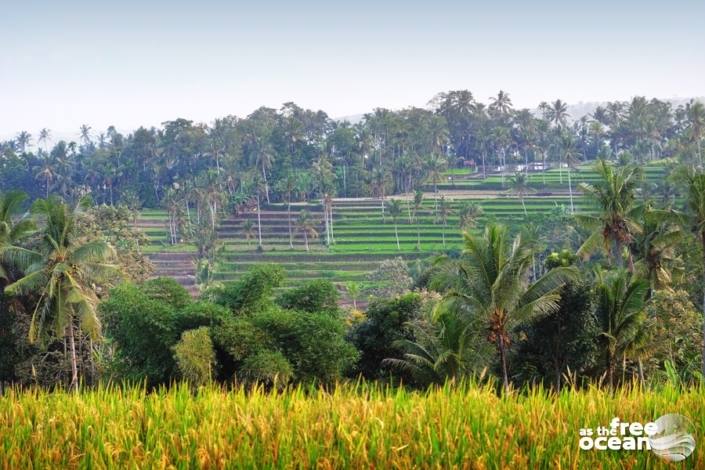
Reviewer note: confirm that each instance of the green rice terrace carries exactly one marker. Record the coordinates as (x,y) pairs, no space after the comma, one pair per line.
(363,236)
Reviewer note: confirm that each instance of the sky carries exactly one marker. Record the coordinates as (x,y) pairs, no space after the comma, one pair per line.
(130,63)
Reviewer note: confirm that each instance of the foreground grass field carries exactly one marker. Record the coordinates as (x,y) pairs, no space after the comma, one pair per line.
(351,427)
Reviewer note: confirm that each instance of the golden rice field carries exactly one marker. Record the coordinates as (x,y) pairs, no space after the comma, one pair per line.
(359,426)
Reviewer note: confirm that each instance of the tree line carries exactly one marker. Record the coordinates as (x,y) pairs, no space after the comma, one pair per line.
(297,154)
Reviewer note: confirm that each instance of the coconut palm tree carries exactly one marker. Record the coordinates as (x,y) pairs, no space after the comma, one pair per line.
(441,349)
(442,212)
(655,248)
(519,186)
(572,158)
(62,273)
(14,227)
(500,104)
(306,225)
(395,211)
(696,123)
(556,113)
(618,221)
(468,214)
(418,200)
(44,136)
(493,285)
(248,229)
(621,298)
(23,140)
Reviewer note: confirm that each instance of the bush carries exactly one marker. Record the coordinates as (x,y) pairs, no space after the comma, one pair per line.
(269,368)
(199,314)
(252,293)
(312,297)
(313,343)
(386,322)
(195,356)
(143,328)
(168,291)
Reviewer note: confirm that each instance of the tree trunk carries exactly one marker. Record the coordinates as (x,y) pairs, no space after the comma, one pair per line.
(570,191)
(503,359)
(288,213)
(306,240)
(259,222)
(266,185)
(74,362)
(396,233)
(330,214)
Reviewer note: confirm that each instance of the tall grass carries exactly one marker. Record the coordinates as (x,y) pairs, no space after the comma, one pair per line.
(353,426)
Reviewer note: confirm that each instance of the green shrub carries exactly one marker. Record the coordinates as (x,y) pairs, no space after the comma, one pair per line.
(198,314)
(387,322)
(195,356)
(313,343)
(252,293)
(168,291)
(143,329)
(267,367)
(312,296)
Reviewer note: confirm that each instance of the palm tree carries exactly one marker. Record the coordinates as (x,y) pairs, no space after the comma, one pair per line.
(468,214)
(572,157)
(621,298)
(62,273)
(23,139)
(556,113)
(696,122)
(13,228)
(501,104)
(265,160)
(442,212)
(85,132)
(44,136)
(493,284)
(617,223)
(353,289)
(441,349)
(248,229)
(655,248)
(418,200)
(519,185)
(47,172)
(395,211)
(435,166)
(306,226)
(696,208)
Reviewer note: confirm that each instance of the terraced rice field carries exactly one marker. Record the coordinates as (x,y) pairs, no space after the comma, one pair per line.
(363,237)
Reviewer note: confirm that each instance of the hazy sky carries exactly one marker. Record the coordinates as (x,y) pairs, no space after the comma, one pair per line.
(129,63)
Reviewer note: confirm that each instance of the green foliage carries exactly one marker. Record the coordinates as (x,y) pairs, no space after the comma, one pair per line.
(198,314)
(562,343)
(675,335)
(267,367)
(240,338)
(143,330)
(167,291)
(195,356)
(312,296)
(387,322)
(252,293)
(314,343)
